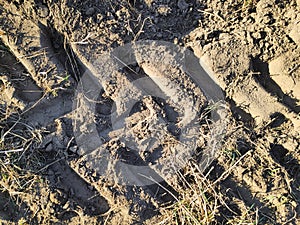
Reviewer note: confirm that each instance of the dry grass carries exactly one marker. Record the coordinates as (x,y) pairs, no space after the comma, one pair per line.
(213,197)
(203,198)
(18,161)
(201,201)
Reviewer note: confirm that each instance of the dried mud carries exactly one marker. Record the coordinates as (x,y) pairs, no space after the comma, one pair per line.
(51,49)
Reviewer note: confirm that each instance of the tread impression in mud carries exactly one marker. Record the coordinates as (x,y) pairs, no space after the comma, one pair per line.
(149,111)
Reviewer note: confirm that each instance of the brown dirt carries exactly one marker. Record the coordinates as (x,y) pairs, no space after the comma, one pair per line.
(66,135)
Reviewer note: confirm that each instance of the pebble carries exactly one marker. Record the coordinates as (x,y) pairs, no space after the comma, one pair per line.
(267,19)
(52,210)
(57,142)
(99,18)
(210,10)
(50,172)
(73,149)
(90,11)
(67,205)
(53,198)
(49,147)
(176,41)
(119,13)
(43,11)
(110,15)
(56,45)
(182,5)
(71,192)
(224,37)
(256,35)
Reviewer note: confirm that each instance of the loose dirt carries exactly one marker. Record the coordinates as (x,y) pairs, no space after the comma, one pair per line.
(91,110)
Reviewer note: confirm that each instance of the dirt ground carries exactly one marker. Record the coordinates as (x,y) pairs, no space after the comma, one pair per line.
(108,115)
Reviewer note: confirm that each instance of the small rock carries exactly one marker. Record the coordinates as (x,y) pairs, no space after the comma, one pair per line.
(256,35)
(43,11)
(73,149)
(209,10)
(225,37)
(182,5)
(176,41)
(50,172)
(119,13)
(267,45)
(71,192)
(110,15)
(49,147)
(52,210)
(90,11)
(99,18)
(67,205)
(57,142)
(267,19)
(54,198)
(164,10)
(56,45)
